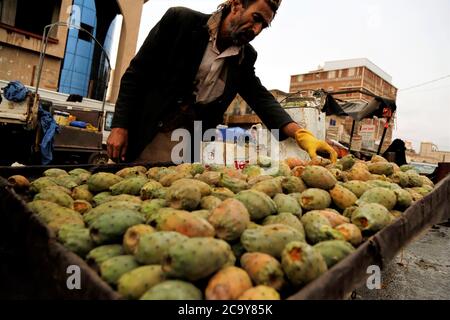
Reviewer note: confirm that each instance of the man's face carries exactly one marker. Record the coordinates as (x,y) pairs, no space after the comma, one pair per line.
(246,23)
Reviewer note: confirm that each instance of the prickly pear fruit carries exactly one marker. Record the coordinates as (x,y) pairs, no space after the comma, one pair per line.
(382,184)
(371,217)
(82,206)
(334,217)
(350,232)
(254,180)
(148,190)
(132,236)
(229,219)
(318,228)
(334,251)
(41,183)
(111,227)
(279,169)
(183,222)
(383,196)
(76,238)
(338,174)
(400,178)
(101,197)
(107,208)
(404,198)
(293,184)
(67,181)
(131,186)
(183,196)
(113,268)
(203,214)
(169,178)
(414,194)
(318,177)
(131,172)
(197,168)
(156,173)
(270,187)
(222,193)
(133,284)
(315,199)
(150,207)
(153,247)
(82,175)
(258,204)
(342,197)
(82,193)
(228,284)
(263,269)
(252,171)
(173,290)
(286,203)
(378,159)
(349,211)
(287,219)
(357,187)
(55,172)
(414,179)
(234,184)
(101,181)
(204,188)
(260,293)
(347,162)
(19,182)
(426,181)
(270,239)
(98,255)
(196,258)
(302,263)
(210,202)
(56,196)
(385,168)
(54,215)
(359,171)
(209,177)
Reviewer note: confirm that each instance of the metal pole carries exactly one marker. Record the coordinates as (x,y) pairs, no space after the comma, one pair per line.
(351,136)
(386,126)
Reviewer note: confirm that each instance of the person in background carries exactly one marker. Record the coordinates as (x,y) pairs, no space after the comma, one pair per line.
(396,152)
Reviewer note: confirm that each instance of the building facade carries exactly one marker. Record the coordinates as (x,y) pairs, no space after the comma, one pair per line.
(353,78)
(429,153)
(73,64)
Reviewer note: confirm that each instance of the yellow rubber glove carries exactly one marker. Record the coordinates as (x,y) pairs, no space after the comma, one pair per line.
(306,140)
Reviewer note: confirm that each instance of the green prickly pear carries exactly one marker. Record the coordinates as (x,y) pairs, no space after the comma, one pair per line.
(173,290)
(302,263)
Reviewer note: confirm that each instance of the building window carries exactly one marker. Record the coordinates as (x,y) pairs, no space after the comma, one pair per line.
(331,74)
(300,78)
(351,72)
(30,16)
(83,35)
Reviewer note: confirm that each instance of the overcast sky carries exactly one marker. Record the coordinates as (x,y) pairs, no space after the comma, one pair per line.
(408,39)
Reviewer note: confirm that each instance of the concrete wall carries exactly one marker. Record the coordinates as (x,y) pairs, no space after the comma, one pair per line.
(19,54)
(128,41)
(429,151)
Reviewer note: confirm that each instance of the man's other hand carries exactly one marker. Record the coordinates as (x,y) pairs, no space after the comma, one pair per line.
(117,143)
(306,140)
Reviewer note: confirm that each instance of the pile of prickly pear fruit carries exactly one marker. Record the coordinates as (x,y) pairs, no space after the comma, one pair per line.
(196,232)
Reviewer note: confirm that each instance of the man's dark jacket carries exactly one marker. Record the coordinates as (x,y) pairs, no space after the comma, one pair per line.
(161,77)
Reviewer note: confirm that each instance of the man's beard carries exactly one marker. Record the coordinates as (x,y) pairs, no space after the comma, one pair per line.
(240,38)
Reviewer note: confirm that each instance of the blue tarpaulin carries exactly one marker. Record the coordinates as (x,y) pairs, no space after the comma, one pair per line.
(49,129)
(15,91)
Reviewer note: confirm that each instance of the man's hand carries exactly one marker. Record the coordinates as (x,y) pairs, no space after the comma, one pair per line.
(306,140)
(117,143)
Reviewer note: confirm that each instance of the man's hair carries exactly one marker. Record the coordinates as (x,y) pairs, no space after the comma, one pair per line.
(274,4)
